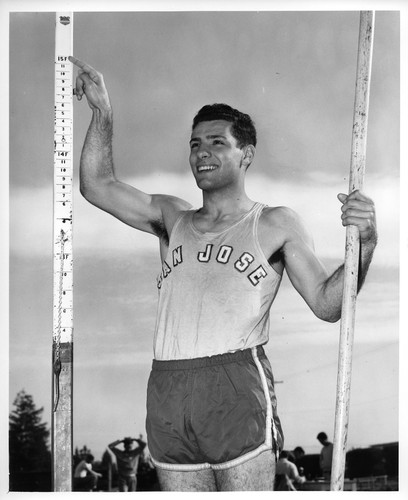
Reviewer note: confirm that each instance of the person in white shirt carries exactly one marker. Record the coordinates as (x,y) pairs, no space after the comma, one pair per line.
(287,474)
(85,479)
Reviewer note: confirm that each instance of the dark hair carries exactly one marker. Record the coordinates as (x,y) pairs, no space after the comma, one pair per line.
(243,128)
(322,435)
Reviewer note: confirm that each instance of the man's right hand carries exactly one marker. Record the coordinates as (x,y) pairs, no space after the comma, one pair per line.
(90,83)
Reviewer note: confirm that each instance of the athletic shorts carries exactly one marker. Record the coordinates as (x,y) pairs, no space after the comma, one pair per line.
(214,412)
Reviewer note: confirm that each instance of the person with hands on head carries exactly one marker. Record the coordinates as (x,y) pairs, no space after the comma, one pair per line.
(127,461)
(212,421)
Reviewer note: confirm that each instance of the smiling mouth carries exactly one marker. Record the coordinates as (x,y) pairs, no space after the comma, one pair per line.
(206,168)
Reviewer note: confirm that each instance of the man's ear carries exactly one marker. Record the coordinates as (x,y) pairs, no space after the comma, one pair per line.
(249,153)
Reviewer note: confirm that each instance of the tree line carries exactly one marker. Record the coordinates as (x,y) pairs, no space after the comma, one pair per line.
(29,451)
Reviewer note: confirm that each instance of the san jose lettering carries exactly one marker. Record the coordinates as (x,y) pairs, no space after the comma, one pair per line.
(222,255)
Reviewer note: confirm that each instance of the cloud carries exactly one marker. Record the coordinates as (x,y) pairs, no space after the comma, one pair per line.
(95,231)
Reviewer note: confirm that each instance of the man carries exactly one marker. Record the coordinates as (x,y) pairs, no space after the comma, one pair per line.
(127,461)
(298,454)
(287,474)
(212,422)
(86,479)
(326,455)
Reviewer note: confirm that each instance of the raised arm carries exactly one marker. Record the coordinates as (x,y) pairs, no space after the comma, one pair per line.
(113,445)
(141,445)
(321,291)
(98,184)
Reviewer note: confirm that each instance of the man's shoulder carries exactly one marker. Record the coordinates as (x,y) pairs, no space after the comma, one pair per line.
(281,219)
(279,214)
(172,205)
(278,226)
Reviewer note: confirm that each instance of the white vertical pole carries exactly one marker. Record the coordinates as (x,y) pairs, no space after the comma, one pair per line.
(62,352)
(357,170)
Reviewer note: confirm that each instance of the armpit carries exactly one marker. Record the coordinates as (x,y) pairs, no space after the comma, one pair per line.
(160,230)
(276,257)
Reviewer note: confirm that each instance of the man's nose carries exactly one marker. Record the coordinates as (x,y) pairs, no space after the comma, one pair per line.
(203,152)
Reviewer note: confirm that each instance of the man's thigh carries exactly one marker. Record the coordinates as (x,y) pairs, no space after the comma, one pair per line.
(257,474)
(122,484)
(202,480)
(132,483)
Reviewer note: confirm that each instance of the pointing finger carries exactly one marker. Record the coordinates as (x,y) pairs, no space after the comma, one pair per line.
(93,74)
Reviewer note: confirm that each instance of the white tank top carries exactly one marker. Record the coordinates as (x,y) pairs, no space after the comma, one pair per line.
(215,290)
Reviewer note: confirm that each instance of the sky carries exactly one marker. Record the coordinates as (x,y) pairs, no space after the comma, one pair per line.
(294,73)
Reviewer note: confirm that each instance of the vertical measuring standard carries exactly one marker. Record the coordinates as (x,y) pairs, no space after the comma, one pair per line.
(62,345)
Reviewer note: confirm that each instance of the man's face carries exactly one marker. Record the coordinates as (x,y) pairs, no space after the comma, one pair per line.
(215,158)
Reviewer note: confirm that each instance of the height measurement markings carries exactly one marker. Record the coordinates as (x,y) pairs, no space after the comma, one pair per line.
(63,176)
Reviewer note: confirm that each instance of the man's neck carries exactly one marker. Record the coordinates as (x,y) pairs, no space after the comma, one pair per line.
(223,204)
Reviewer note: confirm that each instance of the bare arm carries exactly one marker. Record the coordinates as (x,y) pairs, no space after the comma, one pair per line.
(141,444)
(98,183)
(294,475)
(115,443)
(321,291)
(96,474)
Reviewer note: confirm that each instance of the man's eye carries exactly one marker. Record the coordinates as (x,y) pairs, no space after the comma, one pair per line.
(218,141)
(193,145)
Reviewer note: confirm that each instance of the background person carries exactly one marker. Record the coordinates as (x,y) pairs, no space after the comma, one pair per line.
(127,461)
(326,455)
(298,454)
(85,479)
(287,474)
